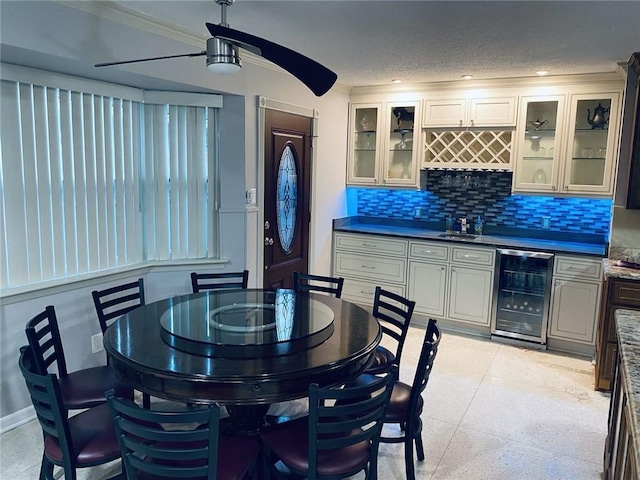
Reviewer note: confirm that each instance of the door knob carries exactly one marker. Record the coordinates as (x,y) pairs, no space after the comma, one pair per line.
(268,241)
(267,225)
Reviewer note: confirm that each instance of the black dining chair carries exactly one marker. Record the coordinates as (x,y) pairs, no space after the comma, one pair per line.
(394,313)
(201,282)
(406,403)
(84,440)
(304,282)
(187,444)
(111,303)
(340,436)
(82,388)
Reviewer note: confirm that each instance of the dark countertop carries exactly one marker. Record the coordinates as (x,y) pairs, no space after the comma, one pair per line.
(578,244)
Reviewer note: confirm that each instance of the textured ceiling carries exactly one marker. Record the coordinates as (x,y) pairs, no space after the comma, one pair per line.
(373,42)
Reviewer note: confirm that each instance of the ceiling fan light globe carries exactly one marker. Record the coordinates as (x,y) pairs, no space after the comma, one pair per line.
(223,57)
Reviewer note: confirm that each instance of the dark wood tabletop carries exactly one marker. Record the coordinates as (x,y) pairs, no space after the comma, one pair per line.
(241,347)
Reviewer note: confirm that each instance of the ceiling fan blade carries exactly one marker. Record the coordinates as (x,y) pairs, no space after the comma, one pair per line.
(197,54)
(317,77)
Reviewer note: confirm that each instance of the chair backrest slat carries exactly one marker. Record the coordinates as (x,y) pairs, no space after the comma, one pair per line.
(113,302)
(340,417)
(428,353)
(304,282)
(47,401)
(201,282)
(166,444)
(49,351)
(394,313)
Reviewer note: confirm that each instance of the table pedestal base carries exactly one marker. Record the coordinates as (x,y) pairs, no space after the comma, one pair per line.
(246,419)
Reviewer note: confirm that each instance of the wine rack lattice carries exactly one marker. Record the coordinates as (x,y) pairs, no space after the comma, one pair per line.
(481,149)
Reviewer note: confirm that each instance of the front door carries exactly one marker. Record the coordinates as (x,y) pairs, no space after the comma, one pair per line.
(287,190)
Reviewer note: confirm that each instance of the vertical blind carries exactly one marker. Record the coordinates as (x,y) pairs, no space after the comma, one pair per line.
(90,183)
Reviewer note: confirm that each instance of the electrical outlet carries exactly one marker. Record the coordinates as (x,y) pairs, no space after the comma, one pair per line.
(417,212)
(546,222)
(96,343)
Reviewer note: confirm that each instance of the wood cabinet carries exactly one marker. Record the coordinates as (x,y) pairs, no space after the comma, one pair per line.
(470,295)
(469,112)
(452,282)
(617,293)
(575,298)
(367,261)
(567,144)
(427,286)
(620,447)
(382,146)
(633,190)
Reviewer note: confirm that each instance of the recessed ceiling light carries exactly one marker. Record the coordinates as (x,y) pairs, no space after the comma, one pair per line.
(396,80)
(467,77)
(542,72)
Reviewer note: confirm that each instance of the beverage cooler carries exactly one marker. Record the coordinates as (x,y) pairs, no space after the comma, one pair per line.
(522,295)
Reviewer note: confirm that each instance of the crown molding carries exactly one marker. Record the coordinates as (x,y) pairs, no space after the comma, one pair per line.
(550,80)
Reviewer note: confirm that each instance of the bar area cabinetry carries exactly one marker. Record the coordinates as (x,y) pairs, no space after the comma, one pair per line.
(617,294)
(566,144)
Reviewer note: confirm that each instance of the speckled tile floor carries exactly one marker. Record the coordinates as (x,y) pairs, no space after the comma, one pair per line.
(492,412)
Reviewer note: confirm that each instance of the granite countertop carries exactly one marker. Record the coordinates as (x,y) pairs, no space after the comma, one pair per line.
(563,243)
(611,270)
(628,329)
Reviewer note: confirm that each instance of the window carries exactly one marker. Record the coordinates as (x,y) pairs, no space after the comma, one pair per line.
(92,182)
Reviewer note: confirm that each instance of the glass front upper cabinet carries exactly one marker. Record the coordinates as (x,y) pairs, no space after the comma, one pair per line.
(590,144)
(364,144)
(539,152)
(400,161)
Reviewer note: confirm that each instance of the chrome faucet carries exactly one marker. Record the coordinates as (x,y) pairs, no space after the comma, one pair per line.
(463,225)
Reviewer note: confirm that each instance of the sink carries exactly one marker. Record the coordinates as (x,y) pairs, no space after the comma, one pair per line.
(458,236)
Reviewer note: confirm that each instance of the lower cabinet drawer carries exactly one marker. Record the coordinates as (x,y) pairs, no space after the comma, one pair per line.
(368,267)
(473,256)
(361,291)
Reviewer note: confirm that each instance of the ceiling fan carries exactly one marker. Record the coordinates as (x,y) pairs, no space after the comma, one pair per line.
(223,55)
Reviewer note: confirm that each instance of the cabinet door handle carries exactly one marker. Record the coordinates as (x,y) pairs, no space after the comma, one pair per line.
(566,187)
(366,293)
(475,257)
(373,245)
(579,269)
(371,267)
(473,123)
(442,268)
(553,187)
(428,252)
(460,123)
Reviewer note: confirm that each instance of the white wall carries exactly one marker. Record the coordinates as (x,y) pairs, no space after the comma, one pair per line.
(54,36)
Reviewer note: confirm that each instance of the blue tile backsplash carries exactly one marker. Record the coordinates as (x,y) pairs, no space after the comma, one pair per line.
(488,194)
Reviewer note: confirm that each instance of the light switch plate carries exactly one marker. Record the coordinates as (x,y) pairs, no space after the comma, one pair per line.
(251,196)
(96,343)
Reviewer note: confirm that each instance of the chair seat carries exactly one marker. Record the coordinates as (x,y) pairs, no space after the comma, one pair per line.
(398,403)
(90,442)
(290,442)
(382,361)
(85,388)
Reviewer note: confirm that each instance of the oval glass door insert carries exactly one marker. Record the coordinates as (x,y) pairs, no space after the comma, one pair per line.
(287,199)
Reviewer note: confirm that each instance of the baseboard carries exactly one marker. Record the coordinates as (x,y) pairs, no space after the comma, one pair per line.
(16,419)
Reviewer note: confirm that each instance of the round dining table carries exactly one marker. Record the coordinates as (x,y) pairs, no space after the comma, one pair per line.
(241,348)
